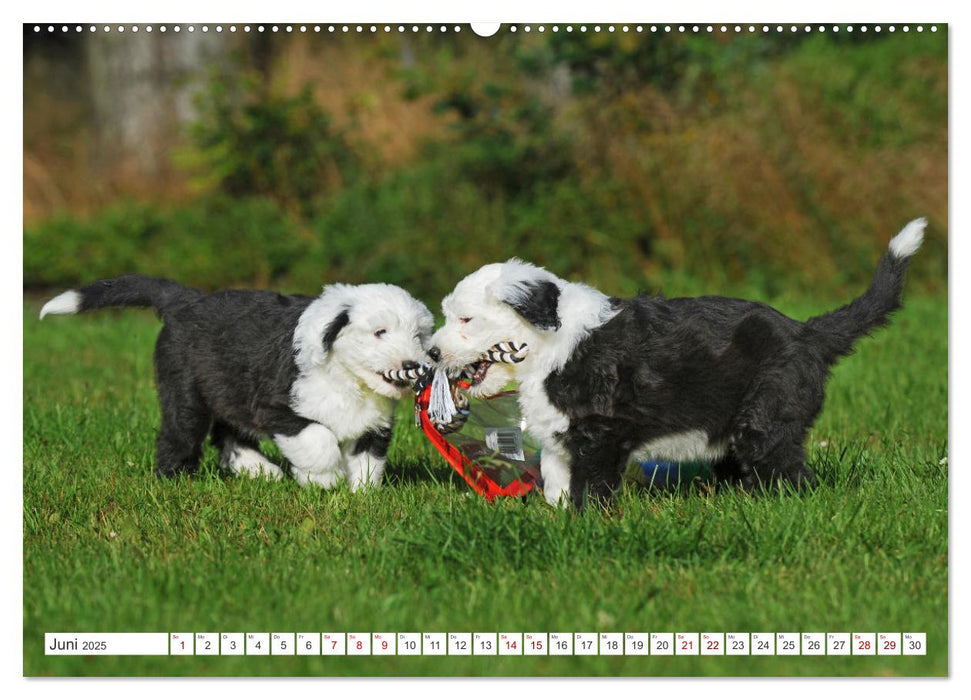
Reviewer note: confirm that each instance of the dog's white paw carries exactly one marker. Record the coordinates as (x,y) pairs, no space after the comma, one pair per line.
(325,480)
(244,461)
(557,496)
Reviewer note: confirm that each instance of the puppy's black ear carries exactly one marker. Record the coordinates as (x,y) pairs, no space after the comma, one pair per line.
(537,302)
(334,327)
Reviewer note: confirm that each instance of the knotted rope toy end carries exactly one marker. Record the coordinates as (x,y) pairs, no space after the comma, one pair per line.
(447,408)
(441,405)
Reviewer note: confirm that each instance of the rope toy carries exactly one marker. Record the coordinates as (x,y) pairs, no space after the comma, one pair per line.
(447,408)
(441,404)
(507,353)
(409,376)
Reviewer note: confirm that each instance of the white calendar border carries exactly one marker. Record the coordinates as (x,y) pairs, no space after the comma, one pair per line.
(11,645)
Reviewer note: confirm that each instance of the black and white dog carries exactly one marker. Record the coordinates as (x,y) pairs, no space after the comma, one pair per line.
(731,381)
(318,376)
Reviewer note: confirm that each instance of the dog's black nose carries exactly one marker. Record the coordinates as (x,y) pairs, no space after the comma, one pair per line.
(435,354)
(409,365)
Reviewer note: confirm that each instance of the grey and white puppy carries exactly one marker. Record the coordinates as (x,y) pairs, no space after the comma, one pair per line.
(320,376)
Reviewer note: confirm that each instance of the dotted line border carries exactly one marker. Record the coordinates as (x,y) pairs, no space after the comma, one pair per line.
(512,28)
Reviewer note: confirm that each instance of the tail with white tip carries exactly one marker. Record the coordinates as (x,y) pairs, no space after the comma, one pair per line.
(67,303)
(906,243)
(872,309)
(130,290)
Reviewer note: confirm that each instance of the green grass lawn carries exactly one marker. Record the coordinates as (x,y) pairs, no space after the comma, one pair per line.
(109,547)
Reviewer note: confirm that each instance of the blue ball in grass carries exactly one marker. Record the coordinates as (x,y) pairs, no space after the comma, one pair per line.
(661,474)
(668,475)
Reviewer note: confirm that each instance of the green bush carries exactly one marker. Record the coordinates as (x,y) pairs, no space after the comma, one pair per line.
(785,178)
(212,242)
(502,136)
(426,227)
(250,141)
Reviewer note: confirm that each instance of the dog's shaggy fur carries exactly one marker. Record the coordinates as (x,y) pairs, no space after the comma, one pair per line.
(318,376)
(731,381)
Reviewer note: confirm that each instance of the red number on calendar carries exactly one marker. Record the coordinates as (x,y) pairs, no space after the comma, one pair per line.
(889,645)
(333,644)
(687,644)
(537,644)
(712,645)
(510,645)
(864,645)
(360,645)
(384,646)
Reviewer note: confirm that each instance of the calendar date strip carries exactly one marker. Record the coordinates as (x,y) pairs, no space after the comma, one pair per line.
(486,644)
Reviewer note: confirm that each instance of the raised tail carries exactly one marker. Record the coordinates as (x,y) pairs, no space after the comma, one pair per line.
(130,290)
(872,309)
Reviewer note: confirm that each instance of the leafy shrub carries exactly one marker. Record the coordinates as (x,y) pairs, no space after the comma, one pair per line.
(250,141)
(424,228)
(757,173)
(502,136)
(210,243)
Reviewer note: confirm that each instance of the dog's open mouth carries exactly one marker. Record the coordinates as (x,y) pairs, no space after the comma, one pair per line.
(508,352)
(476,372)
(403,378)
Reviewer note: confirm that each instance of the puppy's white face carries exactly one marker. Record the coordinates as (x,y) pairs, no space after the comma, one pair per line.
(502,302)
(373,331)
